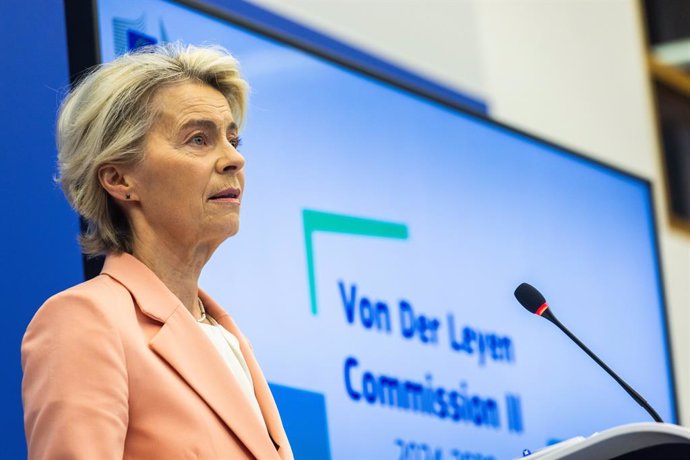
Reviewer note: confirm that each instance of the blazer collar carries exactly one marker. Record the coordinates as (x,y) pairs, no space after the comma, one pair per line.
(151,295)
(183,345)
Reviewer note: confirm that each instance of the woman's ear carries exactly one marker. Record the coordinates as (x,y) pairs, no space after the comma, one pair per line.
(114,180)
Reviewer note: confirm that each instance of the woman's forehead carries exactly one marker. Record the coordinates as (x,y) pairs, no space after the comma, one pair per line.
(188,103)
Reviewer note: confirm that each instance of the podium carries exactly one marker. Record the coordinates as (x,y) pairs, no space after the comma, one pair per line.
(636,441)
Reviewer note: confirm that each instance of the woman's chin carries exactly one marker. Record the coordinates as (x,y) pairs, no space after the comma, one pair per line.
(231,229)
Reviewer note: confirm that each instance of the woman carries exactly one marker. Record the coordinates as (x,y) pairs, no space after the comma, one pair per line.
(139,362)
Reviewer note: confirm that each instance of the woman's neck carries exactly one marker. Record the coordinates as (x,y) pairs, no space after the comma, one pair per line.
(178,270)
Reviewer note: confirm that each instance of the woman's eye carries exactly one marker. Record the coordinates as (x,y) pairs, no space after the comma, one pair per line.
(198,140)
(236,141)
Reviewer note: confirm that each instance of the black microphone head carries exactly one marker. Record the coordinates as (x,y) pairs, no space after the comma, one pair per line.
(529,297)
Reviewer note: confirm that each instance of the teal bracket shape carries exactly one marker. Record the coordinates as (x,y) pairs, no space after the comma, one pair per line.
(317,221)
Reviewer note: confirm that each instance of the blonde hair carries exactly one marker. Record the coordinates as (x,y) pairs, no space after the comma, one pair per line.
(105,118)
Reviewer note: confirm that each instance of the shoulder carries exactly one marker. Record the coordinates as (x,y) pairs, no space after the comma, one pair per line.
(74,384)
(100,298)
(97,294)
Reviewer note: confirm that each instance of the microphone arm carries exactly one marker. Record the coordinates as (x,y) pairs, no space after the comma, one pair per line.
(634,394)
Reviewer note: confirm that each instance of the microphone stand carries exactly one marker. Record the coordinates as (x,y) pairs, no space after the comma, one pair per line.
(634,394)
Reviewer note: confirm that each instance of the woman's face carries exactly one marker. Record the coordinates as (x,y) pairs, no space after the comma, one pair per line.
(189,185)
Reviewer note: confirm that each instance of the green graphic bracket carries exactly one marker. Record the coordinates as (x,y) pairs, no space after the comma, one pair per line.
(317,221)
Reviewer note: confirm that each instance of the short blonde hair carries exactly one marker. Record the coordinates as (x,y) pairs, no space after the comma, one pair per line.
(105,119)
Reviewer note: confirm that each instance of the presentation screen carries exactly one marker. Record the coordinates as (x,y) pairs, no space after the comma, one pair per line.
(382,237)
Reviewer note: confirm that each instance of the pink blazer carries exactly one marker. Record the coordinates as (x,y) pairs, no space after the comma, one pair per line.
(117,368)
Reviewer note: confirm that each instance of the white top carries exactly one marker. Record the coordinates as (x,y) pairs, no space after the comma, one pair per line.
(229,348)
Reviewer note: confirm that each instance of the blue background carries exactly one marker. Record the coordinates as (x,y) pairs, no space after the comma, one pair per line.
(40,255)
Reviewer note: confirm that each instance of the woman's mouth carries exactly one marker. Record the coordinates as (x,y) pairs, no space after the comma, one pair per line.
(228,195)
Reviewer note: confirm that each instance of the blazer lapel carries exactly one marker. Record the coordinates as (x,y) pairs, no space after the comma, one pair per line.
(269,410)
(185,347)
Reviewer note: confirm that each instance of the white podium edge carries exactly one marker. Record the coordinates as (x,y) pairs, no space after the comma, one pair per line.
(615,441)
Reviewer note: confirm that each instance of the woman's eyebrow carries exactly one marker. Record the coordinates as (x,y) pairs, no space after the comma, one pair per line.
(207,124)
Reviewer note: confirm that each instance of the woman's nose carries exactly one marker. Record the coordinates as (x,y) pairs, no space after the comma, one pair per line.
(230,161)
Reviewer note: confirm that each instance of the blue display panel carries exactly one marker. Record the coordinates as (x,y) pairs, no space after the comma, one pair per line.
(382,238)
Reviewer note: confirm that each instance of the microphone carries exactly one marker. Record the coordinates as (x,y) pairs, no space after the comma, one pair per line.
(530,298)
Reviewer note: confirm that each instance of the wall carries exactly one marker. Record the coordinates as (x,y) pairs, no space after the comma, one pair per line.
(569,71)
